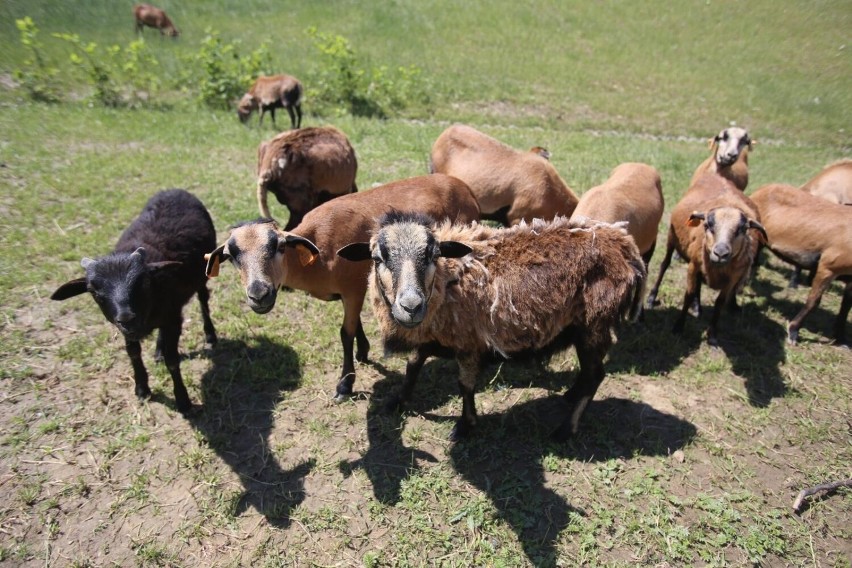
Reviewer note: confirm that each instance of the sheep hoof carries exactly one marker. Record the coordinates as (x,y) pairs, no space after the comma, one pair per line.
(341,397)
(187,409)
(142,392)
(713,342)
(792,336)
(460,431)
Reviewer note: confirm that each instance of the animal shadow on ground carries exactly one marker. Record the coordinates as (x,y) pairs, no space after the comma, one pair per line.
(752,342)
(387,461)
(504,455)
(239,394)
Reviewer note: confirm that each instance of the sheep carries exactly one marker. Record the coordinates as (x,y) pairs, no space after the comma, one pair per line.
(810,232)
(475,290)
(270,93)
(305,168)
(156,267)
(151,16)
(269,258)
(729,158)
(833,183)
(633,193)
(712,227)
(509,185)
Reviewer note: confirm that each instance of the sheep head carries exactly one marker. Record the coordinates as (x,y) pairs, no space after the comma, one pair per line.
(725,233)
(246,106)
(405,252)
(729,144)
(121,284)
(257,249)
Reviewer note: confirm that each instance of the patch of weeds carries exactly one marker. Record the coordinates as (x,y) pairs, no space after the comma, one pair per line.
(326,518)
(153,553)
(320,427)
(29,492)
(138,489)
(49,427)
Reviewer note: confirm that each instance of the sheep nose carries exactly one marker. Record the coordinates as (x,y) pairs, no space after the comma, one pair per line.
(259,292)
(125,317)
(412,303)
(722,252)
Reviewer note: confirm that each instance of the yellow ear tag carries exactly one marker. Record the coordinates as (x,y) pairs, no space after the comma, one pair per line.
(306,257)
(212,271)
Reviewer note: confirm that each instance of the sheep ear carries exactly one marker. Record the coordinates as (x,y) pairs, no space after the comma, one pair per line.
(695,219)
(70,289)
(751,143)
(86,262)
(165,265)
(355,252)
(307,251)
(758,227)
(214,259)
(713,141)
(139,254)
(454,249)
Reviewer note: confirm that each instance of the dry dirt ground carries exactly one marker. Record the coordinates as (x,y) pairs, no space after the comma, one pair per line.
(269,468)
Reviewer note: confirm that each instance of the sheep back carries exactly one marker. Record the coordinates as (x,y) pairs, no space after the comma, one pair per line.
(833,183)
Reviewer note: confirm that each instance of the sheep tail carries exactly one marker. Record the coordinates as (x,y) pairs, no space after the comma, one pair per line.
(638,292)
(261,199)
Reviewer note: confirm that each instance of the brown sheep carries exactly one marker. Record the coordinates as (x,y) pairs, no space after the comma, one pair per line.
(151,16)
(729,158)
(633,193)
(810,232)
(304,168)
(509,184)
(305,259)
(833,183)
(476,290)
(712,227)
(270,93)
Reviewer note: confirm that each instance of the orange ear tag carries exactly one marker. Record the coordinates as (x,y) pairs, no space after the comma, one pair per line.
(306,257)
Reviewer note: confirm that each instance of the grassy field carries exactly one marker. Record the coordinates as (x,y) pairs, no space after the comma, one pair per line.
(688,456)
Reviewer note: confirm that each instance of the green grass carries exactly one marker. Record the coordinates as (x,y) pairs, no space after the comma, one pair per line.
(688,456)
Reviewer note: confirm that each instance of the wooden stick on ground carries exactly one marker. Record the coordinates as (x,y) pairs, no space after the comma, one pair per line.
(797,504)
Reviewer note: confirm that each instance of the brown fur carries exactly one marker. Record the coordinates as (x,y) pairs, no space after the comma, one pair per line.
(694,243)
(833,183)
(737,172)
(510,185)
(810,232)
(331,226)
(270,93)
(319,164)
(153,17)
(522,288)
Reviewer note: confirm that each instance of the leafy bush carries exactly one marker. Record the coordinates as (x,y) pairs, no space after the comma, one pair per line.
(36,76)
(341,86)
(99,74)
(221,73)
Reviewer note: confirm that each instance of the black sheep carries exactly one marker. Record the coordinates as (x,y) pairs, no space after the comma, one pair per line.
(156,267)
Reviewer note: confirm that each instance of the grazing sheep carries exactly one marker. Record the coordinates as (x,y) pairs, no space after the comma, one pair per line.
(833,183)
(729,158)
(151,16)
(270,93)
(810,232)
(474,290)
(509,185)
(305,168)
(156,267)
(711,228)
(269,258)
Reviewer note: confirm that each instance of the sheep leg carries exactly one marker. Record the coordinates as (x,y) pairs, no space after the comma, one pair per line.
(171,335)
(348,331)
(363,352)
(693,284)
(468,371)
(721,300)
(158,352)
(140,374)
(795,278)
(822,280)
(840,322)
(292,117)
(667,260)
(591,376)
(262,112)
(415,363)
(294,220)
(299,114)
(209,331)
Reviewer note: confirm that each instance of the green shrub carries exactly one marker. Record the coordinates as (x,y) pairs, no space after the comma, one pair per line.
(340,85)
(99,73)
(36,76)
(221,74)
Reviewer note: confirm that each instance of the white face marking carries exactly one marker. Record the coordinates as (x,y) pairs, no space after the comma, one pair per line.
(729,143)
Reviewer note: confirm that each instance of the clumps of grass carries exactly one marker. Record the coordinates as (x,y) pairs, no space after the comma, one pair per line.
(36,75)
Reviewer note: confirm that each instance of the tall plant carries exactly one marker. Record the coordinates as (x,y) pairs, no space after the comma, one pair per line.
(36,76)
